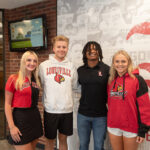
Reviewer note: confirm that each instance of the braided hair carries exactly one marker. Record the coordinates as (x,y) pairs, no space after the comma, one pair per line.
(88,46)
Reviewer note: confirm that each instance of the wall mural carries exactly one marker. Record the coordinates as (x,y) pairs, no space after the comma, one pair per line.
(115,24)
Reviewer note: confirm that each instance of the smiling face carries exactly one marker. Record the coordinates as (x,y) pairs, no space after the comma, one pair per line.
(30,63)
(92,54)
(60,49)
(120,63)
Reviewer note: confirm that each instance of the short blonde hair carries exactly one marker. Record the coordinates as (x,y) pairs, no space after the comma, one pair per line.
(113,72)
(60,38)
(22,71)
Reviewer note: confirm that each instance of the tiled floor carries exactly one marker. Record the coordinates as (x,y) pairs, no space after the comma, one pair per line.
(5,146)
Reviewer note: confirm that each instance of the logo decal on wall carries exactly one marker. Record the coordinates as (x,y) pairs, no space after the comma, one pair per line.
(143,28)
(146,66)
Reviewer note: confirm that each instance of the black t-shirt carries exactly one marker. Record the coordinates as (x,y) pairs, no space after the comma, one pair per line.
(93,90)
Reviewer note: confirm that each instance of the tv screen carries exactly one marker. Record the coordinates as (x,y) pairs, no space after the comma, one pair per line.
(28,34)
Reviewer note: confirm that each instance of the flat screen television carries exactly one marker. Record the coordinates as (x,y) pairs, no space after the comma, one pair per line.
(28,34)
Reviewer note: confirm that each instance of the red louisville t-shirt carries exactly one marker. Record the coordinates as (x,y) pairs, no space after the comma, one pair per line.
(22,97)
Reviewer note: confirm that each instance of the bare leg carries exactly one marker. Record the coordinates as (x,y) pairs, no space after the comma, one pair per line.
(24,147)
(116,142)
(33,143)
(62,142)
(130,143)
(49,144)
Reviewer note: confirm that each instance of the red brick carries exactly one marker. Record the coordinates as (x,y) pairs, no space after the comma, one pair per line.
(12,59)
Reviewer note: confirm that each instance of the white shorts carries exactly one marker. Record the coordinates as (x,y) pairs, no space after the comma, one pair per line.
(119,132)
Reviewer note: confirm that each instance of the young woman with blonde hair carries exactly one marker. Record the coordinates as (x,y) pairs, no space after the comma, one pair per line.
(128,104)
(21,98)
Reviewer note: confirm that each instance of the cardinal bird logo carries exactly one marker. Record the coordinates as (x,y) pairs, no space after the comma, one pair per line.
(119,88)
(117,91)
(146,66)
(143,28)
(59,78)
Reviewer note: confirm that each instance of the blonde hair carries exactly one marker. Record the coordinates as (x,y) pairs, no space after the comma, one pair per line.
(60,38)
(113,72)
(22,71)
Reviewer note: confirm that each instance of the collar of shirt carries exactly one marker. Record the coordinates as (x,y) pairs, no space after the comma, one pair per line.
(95,67)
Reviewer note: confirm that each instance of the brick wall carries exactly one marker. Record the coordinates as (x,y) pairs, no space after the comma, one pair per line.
(12,59)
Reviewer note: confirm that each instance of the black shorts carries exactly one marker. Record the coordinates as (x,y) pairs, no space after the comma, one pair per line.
(28,120)
(61,122)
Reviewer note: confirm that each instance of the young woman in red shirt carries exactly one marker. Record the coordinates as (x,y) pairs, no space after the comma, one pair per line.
(21,98)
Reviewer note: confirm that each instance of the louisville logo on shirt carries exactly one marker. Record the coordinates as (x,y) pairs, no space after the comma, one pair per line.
(100,74)
(117,91)
(59,78)
(25,85)
(58,70)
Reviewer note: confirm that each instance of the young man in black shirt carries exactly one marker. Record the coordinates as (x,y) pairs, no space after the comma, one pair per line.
(93,77)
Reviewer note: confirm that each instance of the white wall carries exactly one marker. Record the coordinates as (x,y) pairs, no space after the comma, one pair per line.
(107,22)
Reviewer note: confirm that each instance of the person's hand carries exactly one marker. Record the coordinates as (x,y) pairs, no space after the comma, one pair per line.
(15,134)
(139,139)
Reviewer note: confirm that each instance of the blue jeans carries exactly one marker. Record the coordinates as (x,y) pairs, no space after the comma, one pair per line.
(86,125)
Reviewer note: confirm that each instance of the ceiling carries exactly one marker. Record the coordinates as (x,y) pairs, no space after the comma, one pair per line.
(10,4)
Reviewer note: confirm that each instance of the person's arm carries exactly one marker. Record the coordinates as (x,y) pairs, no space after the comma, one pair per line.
(14,131)
(75,81)
(143,107)
(76,88)
(9,93)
